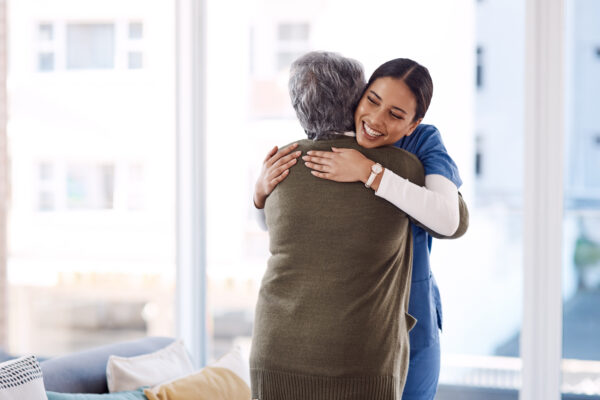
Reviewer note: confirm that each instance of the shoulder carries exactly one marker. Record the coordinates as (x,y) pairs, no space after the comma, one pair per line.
(432,152)
(427,138)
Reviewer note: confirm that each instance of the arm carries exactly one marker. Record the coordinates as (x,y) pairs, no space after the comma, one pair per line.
(443,195)
(437,207)
(274,170)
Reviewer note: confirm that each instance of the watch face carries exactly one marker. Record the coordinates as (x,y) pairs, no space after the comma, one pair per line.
(376,168)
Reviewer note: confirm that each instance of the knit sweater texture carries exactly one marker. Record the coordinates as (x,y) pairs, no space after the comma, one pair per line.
(332,318)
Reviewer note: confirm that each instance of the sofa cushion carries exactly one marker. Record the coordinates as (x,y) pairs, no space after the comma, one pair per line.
(21,379)
(129,373)
(129,395)
(85,371)
(225,379)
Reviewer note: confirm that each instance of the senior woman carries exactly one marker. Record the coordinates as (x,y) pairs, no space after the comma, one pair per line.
(331,319)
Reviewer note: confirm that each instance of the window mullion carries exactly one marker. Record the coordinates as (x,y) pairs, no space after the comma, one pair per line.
(541,341)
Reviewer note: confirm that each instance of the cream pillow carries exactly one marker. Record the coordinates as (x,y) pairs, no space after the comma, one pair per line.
(226,379)
(130,373)
(22,379)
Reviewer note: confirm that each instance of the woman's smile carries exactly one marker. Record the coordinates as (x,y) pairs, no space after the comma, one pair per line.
(370,133)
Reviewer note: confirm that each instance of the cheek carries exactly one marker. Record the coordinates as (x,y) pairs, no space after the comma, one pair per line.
(399,130)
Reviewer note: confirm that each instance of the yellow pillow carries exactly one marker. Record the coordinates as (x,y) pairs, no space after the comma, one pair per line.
(211,383)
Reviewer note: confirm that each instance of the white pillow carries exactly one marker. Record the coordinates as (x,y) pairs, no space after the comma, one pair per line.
(236,362)
(130,373)
(22,379)
(228,378)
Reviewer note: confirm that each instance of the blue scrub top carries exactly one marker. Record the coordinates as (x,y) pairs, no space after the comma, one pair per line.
(425,303)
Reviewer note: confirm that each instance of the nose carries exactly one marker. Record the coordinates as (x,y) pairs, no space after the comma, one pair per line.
(378,118)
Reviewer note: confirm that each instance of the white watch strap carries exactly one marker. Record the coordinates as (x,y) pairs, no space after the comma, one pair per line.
(376,169)
(370,180)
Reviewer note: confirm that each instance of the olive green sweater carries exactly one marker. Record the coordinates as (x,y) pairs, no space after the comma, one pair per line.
(331,318)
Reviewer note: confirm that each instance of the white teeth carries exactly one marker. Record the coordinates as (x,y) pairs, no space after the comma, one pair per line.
(370,131)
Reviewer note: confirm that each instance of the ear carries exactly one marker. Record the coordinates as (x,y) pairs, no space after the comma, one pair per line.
(413,126)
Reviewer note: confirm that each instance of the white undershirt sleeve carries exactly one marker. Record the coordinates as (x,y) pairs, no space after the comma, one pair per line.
(259,216)
(435,205)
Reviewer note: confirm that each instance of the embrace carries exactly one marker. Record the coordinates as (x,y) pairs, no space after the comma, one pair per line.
(348,307)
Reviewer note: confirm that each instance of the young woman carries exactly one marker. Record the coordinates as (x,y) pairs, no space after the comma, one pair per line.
(390,111)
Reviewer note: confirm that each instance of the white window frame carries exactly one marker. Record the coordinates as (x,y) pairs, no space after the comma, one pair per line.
(541,341)
(191,181)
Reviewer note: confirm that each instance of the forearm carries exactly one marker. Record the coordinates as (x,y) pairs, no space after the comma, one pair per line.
(435,206)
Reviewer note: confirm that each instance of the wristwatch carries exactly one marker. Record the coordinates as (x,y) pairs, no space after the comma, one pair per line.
(375,170)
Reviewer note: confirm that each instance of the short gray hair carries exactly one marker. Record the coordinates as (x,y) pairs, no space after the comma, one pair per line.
(325,88)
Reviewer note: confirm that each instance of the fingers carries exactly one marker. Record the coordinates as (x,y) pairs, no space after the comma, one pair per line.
(318,167)
(320,174)
(277,180)
(282,154)
(279,169)
(317,160)
(286,160)
(324,154)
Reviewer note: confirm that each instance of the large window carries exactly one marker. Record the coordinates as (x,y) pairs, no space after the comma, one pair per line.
(91,232)
(482,129)
(581,235)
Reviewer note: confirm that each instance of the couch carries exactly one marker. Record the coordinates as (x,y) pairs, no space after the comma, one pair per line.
(85,371)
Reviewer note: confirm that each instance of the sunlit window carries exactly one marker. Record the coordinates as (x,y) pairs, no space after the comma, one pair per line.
(90,46)
(91,256)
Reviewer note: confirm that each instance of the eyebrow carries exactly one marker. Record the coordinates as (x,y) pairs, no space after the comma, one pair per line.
(380,99)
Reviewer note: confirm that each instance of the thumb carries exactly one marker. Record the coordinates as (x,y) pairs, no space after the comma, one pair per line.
(337,150)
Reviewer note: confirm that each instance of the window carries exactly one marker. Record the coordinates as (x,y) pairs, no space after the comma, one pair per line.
(90,186)
(46,62)
(46,187)
(114,45)
(90,46)
(136,30)
(90,256)
(100,186)
(135,60)
(581,233)
(478,156)
(135,54)
(46,32)
(479,69)
(46,47)
(293,40)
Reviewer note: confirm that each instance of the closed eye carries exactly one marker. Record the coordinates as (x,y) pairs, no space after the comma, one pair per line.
(372,101)
(396,116)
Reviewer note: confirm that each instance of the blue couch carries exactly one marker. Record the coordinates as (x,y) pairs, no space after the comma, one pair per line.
(85,371)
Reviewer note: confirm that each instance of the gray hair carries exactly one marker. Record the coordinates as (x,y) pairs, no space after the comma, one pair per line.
(325,88)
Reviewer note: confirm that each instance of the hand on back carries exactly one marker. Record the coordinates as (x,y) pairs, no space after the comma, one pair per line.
(275,169)
(340,165)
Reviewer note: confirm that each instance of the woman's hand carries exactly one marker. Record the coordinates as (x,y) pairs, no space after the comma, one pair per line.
(275,168)
(340,165)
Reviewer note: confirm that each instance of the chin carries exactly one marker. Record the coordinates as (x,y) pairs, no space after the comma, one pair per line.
(367,144)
